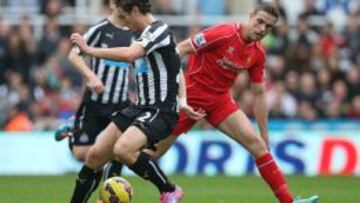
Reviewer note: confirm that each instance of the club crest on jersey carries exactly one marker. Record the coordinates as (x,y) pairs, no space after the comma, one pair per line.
(230,50)
(199,40)
(84,138)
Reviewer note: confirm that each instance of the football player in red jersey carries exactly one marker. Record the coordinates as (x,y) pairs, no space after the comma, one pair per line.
(217,55)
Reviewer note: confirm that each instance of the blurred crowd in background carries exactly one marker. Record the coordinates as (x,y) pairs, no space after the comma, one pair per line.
(313,72)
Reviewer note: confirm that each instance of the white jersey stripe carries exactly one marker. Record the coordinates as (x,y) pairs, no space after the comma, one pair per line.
(163,76)
(118,86)
(141,93)
(93,29)
(126,86)
(163,43)
(151,84)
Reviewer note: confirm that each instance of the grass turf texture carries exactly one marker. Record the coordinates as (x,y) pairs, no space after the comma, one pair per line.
(198,189)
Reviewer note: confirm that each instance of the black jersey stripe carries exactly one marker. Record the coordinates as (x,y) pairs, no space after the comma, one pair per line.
(158,42)
(114,81)
(124,86)
(103,80)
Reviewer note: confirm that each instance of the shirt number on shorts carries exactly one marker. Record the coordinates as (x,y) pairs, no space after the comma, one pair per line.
(144,117)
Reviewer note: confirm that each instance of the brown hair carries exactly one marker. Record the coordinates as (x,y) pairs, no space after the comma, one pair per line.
(269,8)
(127,5)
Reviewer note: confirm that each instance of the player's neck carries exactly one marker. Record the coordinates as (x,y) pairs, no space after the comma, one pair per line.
(115,21)
(245,33)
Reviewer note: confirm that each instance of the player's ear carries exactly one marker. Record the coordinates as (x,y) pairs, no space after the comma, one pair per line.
(136,11)
(252,14)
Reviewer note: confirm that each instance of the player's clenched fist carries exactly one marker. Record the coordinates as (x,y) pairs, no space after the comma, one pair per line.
(77,39)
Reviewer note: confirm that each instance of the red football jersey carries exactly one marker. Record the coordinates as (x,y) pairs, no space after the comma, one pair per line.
(222,52)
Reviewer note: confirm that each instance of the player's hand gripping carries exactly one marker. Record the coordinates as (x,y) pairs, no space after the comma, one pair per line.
(195,115)
(95,84)
(79,40)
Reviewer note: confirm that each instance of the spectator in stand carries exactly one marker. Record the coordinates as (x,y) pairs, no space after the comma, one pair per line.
(53,8)
(307,88)
(19,56)
(354,112)
(50,39)
(302,39)
(311,9)
(306,111)
(5,31)
(292,82)
(281,103)
(164,7)
(351,35)
(280,40)
(330,41)
(353,80)
(19,120)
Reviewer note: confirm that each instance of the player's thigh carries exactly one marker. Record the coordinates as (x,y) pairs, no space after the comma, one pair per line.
(132,140)
(80,152)
(238,127)
(128,147)
(101,152)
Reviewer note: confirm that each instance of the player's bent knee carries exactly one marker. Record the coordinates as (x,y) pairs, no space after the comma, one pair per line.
(257,147)
(94,159)
(80,153)
(121,150)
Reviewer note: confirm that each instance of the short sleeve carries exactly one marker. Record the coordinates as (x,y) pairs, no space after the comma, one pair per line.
(155,36)
(92,36)
(211,37)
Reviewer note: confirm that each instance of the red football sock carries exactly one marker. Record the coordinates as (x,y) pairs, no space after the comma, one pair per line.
(274,178)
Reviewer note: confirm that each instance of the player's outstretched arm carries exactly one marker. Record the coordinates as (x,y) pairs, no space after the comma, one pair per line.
(185,47)
(261,109)
(195,115)
(92,81)
(128,54)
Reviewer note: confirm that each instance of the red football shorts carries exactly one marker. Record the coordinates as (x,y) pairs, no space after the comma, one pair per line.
(217,107)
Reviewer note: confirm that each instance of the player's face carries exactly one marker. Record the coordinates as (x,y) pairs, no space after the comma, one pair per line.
(260,24)
(129,19)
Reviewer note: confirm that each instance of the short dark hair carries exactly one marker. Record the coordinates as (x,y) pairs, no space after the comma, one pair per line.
(127,5)
(269,8)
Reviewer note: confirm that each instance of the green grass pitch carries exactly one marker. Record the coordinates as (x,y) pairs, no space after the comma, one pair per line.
(198,189)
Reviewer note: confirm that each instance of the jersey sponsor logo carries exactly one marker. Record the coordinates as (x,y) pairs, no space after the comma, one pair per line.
(227,64)
(141,66)
(117,64)
(199,40)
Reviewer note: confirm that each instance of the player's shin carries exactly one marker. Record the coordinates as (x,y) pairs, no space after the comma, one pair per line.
(86,183)
(149,170)
(274,178)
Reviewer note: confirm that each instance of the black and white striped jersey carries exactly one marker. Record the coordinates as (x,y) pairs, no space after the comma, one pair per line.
(113,74)
(157,72)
